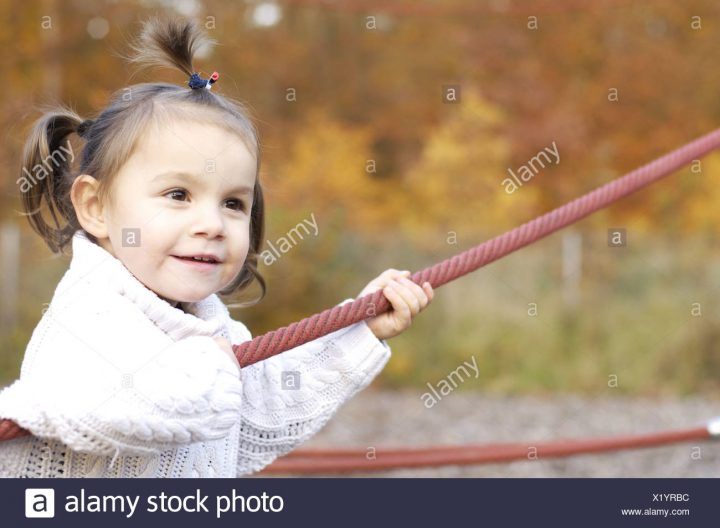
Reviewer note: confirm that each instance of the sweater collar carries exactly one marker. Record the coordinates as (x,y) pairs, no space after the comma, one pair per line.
(93,265)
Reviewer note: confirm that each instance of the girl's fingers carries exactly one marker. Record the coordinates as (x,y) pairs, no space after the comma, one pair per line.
(390,274)
(419,293)
(382,280)
(429,290)
(414,296)
(408,296)
(400,306)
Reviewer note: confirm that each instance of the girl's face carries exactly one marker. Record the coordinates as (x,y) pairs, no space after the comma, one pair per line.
(186,191)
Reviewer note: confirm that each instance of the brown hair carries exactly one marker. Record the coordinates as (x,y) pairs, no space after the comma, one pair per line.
(112,136)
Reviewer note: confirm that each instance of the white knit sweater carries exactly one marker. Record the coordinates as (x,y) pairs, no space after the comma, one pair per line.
(116,382)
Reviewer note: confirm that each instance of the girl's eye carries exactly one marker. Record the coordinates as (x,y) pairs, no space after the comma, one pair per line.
(175,192)
(239,205)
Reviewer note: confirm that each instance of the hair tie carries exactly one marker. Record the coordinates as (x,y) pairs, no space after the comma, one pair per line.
(196,82)
(83,127)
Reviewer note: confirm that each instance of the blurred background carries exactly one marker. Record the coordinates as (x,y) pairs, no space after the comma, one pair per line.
(395,125)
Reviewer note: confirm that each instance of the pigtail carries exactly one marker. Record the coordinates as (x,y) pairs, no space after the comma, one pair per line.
(169,43)
(46,174)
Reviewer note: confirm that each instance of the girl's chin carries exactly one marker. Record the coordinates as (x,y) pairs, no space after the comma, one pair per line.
(177,299)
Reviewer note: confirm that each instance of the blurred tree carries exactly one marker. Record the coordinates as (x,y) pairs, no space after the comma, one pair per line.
(457,182)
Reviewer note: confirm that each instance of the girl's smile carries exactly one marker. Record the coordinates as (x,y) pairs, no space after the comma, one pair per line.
(199,265)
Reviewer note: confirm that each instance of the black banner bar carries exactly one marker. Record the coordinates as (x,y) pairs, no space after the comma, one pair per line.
(359,502)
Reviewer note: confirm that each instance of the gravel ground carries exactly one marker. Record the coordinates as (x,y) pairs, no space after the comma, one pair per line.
(391,419)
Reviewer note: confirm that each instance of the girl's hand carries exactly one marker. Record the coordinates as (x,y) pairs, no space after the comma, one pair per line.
(226,347)
(407,300)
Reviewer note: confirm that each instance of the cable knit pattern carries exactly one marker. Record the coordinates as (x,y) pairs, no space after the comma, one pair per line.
(116,382)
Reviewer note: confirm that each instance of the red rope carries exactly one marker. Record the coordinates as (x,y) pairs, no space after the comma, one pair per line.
(338,317)
(331,320)
(345,460)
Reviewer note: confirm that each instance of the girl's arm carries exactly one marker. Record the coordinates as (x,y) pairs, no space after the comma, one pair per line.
(109,382)
(289,397)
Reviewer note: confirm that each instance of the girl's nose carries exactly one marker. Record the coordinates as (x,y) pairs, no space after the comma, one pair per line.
(209,221)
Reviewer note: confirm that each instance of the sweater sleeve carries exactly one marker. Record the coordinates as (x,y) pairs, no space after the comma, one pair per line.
(108,382)
(289,397)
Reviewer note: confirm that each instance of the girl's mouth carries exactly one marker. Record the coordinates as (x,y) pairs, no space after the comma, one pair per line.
(197,264)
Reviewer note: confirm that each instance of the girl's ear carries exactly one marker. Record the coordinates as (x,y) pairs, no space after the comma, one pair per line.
(88,207)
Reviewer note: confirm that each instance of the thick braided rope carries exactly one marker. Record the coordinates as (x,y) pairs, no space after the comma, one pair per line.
(328,321)
(338,317)
(308,461)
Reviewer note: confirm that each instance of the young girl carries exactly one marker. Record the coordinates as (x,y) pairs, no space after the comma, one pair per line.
(130,372)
